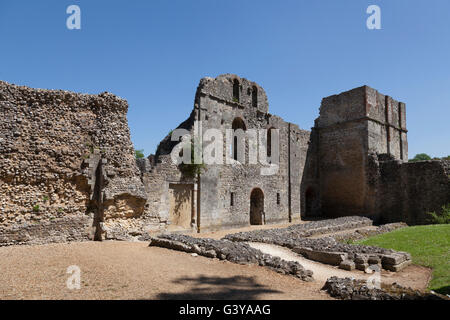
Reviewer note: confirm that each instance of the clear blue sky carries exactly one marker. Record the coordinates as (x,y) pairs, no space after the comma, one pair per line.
(153,53)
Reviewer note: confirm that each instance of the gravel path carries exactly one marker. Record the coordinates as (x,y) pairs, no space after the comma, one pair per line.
(132,270)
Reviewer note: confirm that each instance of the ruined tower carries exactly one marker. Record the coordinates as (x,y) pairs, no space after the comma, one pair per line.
(352,127)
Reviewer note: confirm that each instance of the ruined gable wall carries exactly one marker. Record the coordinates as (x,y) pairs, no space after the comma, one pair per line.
(216,107)
(218,110)
(46,140)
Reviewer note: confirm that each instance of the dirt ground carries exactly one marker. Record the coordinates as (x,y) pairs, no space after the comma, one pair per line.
(132,270)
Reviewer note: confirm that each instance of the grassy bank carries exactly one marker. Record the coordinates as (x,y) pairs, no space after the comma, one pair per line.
(429,246)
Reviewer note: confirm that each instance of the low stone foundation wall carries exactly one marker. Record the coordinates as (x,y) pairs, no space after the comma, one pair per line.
(351,289)
(365,233)
(327,249)
(71,228)
(305,230)
(235,252)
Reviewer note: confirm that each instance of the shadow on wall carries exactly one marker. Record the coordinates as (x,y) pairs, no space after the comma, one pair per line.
(217,288)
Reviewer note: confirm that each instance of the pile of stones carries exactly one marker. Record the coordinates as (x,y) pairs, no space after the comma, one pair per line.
(236,252)
(352,289)
(327,249)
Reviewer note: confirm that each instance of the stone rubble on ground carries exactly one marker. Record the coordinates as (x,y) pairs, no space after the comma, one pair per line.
(236,252)
(327,249)
(352,289)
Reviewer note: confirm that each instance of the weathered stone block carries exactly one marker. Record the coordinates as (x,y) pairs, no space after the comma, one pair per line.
(393,259)
(397,267)
(333,258)
(347,265)
(361,259)
(362,266)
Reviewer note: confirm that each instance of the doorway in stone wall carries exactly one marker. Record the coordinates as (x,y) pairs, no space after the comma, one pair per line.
(181,204)
(257,207)
(310,198)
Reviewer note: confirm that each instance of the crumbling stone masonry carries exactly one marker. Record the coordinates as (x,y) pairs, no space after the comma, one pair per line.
(361,162)
(228,195)
(68,171)
(66,165)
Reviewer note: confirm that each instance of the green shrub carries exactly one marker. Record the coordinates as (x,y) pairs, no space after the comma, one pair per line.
(139,154)
(441,218)
(192,169)
(36,208)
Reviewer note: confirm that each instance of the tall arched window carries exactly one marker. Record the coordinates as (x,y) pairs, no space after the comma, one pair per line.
(255,96)
(236,90)
(269,144)
(239,128)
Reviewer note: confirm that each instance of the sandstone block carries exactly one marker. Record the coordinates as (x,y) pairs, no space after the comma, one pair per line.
(347,265)
(362,266)
(397,267)
(393,259)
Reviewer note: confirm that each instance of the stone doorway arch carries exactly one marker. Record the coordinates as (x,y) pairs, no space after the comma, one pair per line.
(257,215)
(310,200)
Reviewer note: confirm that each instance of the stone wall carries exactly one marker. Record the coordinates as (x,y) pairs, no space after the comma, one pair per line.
(223,197)
(351,126)
(68,170)
(408,190)
(51,142)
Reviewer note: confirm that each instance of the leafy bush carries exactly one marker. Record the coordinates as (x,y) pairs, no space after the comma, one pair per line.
(36,208)
(192,169)
(441,218)
(139,154)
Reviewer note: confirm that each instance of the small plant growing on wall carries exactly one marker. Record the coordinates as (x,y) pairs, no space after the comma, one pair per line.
(45,198)
(139,154)
(192,170)
(36,208)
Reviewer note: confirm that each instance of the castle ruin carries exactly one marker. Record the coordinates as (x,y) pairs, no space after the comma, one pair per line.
(68,169)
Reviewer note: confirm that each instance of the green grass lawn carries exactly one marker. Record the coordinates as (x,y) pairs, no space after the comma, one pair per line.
(428,245)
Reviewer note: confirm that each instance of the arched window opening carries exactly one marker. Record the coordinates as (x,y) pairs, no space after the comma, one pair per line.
(235,90)
(255,97)
(239,128)
(269,144)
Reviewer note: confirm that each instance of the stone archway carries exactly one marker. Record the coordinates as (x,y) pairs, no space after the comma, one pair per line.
(310,199)
(257,207)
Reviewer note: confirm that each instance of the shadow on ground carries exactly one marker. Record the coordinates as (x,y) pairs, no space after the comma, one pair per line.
(213,288)
(443,290)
